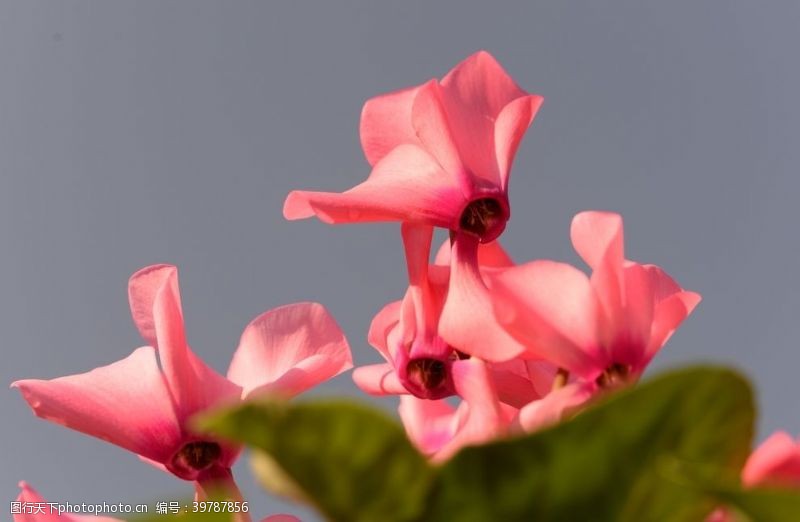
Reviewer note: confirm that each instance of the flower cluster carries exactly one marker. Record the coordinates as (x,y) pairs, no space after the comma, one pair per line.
(478,347)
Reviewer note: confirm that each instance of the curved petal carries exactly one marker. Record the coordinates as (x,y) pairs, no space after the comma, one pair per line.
(428,423)
(512,122)
(126,403)
(386,123)
(485,418)
(667,316)
(513,383)
(155,300)
(406,185)
(467,321)
(552,408)
(776,462)
(430,123)
(551,309)
(474,94)
(380,327)
(290,348)
(378,379)
(631,336)
(490,255)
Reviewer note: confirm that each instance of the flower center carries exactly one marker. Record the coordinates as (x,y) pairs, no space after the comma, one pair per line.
(428,375)
(196,456)
(483,217)
(614,376)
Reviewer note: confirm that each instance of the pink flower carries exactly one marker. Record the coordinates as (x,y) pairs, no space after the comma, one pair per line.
(604,329)
(34,508)
(441,154)
(439,430)
(146,409)
(775,463)
(406,333)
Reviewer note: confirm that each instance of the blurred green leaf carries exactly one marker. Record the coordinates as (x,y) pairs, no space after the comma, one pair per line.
(607,463)
(352,462)
(610,463)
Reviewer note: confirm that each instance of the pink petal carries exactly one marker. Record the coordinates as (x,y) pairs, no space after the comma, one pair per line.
(474,94)
(513,383)
(552,408)
(632,334)
(667,316)
(289,350)
(155,300)
(429,424)
(429,119)
(551,309)
(126,403)
(380,327)
(406,185)
(490,255)
(485,418)
(386,123)
(378,379)
(512,122)
(775,462)
(467,321)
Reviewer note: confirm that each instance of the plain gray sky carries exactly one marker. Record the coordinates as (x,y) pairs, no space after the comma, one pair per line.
(142,132)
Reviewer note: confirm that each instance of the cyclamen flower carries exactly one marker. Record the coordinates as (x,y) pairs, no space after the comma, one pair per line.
(146,409)
(405,332)
(604,329)
(441,154)
(775,463)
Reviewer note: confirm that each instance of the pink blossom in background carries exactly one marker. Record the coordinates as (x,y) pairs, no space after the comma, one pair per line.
(441,154)
(146,409)
(406,333)
(603,329)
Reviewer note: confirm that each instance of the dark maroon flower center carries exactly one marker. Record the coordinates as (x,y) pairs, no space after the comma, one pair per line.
(614,376)
(484,218)
(429,374)
(197,456)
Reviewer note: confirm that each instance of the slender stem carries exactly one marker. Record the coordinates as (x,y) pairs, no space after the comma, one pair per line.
(218,484)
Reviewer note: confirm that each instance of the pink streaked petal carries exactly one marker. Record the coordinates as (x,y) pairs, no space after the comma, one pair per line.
(552,408)
(485,418)
(406,185)
(596,236)
(30,496)
(512,122)
(667,316)
(467,321)
(290,349)
(126,403)
(429,119)
(429,424)
(490,255)
(474,94)
(775,462)
(632,334)
(380,327)
(663,285)
(513,383)
(551,309)
(386,123)
(378,379)
(143,289)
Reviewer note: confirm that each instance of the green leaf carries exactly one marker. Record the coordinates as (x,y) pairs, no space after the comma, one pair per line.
(608,462)
(352,462)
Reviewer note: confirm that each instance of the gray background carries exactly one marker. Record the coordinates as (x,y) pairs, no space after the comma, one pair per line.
(141,132)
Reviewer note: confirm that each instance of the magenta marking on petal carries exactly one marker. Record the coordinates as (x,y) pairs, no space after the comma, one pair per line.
(427,378)
(194,457)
